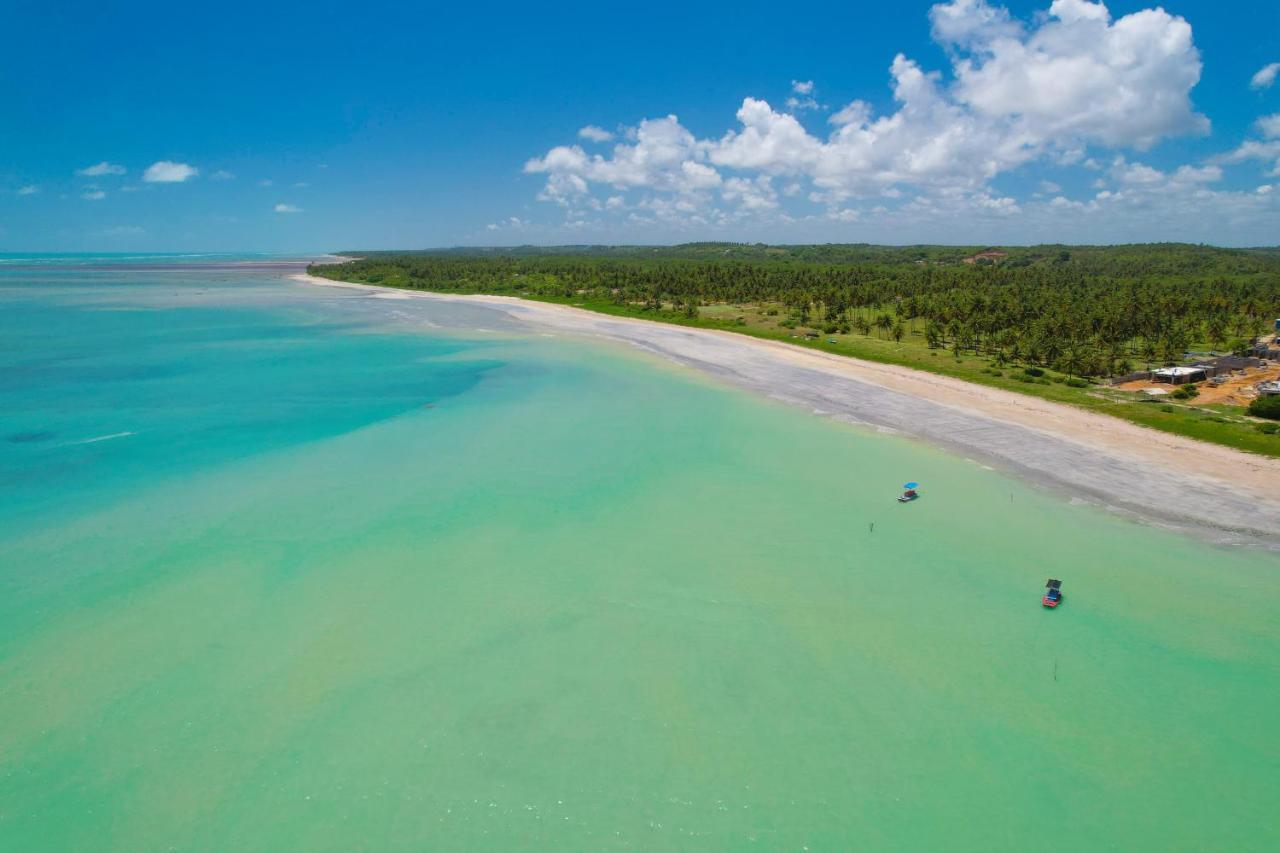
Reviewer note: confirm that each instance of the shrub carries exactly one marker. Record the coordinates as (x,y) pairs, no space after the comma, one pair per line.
(1266,407)
(1076,382)
(1033,371)
(1186,392)
(1269,429)
(1167,408)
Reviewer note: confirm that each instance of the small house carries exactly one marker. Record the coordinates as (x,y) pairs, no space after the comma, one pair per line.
(1178,375)
(1269,389)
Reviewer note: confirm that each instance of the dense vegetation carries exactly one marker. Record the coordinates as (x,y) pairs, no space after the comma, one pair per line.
(1085,311)
(1266,407)
(1035,320)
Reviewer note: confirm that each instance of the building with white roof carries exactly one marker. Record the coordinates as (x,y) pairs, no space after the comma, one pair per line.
(1179,375)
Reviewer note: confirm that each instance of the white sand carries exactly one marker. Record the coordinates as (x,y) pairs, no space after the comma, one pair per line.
(1153,474)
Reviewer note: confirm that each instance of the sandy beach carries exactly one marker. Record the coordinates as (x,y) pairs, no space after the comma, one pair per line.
(1226,494)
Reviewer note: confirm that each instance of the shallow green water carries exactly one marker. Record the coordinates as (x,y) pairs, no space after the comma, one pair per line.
(583,600)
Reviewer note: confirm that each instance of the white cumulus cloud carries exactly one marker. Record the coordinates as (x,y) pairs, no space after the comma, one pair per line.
(594,134)
(287,208)
(802,97)
(751,195)
(799,105)
(662,155)
(168,172)
(854,112)
(511,223)
(93,194)
(99,169)
(1265,77)
(1070,80)
(1184,177)
(1082,78)
(972,23)
(1266,150)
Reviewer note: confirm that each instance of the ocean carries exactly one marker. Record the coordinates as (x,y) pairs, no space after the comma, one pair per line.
(284,566)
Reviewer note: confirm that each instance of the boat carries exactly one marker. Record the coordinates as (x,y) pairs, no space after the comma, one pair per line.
(910,494)
(1052,593)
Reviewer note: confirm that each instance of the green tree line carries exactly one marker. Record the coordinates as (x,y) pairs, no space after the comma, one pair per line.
(1086,311)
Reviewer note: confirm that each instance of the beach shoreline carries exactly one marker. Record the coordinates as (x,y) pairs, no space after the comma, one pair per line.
(1156,476)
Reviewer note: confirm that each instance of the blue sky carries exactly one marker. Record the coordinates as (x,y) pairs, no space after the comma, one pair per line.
(304,127)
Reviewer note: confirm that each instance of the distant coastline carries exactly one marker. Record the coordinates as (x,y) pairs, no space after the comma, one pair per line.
(1225,494)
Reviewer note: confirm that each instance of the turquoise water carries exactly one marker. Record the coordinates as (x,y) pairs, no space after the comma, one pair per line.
(284,567)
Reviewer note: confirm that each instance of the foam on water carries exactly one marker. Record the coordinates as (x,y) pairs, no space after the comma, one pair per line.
(97,438)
